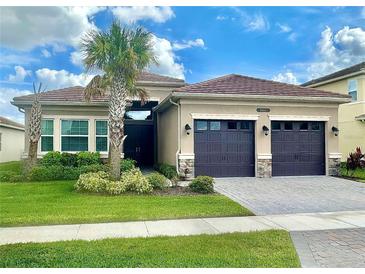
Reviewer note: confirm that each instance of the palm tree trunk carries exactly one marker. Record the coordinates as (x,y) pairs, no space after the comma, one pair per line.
(117,107)
(32,156)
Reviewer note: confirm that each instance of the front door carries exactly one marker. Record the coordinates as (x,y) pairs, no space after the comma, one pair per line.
(139,143)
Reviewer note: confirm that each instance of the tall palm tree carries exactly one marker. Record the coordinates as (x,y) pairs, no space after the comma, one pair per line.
(121,54)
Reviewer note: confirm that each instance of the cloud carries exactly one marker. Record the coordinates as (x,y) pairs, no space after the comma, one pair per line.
(292,37)
(6,108)
(284,27)
(8,59)
(55,79)
(286,77)
(130,15)
(25,28)
(258,23)
(252,22)
(221,18)
(76,58)
(189,44)
(46,53)
(166,58)
(337,51)
(20,74)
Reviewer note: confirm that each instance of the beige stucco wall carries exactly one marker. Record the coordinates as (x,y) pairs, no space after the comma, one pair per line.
(167,135)
(57,113)
(12,144)
(352,132)
(238,109)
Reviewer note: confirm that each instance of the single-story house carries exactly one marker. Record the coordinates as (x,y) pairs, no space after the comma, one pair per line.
(11,140)
(230,126)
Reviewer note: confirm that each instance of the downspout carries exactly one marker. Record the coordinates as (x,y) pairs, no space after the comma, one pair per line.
(178,135)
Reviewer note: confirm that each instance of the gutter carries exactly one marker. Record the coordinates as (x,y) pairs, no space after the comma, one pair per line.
(178,134)
(220,96)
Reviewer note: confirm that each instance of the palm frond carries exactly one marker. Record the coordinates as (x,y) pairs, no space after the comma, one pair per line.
(96,87)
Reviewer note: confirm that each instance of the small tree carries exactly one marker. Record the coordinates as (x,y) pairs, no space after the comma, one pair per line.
(34,129)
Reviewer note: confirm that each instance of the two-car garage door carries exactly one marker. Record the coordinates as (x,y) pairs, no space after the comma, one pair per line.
(227,148)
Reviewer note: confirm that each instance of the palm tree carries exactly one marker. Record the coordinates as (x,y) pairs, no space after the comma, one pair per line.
(121,54)
(34,129)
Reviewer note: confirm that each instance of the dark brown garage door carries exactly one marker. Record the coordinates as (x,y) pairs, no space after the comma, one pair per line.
(224,148)
(298,148)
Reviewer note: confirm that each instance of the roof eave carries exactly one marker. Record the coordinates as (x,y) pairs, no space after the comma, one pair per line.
(320,83)
(216,96)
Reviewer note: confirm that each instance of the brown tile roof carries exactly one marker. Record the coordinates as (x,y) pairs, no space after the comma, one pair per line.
(343,72)
(152,77)
(238,84)
(8,122)
(76,93)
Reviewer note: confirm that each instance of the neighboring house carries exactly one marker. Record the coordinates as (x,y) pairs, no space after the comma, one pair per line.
(11,140)
(228,126)
(351,116)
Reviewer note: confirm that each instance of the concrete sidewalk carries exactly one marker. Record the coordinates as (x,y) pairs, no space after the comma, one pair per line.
(289,222)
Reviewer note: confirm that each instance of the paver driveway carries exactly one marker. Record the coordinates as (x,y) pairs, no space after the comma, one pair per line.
(282,195)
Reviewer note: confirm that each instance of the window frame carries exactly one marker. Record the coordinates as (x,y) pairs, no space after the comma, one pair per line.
(47,135)
(88,134)
(204,121)
(102,136)
(349,91)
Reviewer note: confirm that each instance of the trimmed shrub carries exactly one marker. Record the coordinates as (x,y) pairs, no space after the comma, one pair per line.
(69,159)
(93,168)
(46,173)
(202,184)
(127,164)
(85,158)
(168,171)
(71,173)
(116,187)
(157,180)
(92,182)
(52,158)
(6,175)
(136,182)
(17,178)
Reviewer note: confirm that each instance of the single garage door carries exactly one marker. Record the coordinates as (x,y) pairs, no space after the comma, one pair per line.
(298,148)
(224,148)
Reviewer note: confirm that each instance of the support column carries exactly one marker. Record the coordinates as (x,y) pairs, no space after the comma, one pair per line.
(186,166)
(264,165)
(334,164)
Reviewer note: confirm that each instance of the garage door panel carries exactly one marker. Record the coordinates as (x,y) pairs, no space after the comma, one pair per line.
(299,151)
(225,151)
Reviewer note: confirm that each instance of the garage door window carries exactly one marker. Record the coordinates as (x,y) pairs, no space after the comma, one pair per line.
(232,125)
(288,126)
(303,126)
(245,125)
(275,125)
(201,125)
(315,126)
(215,125)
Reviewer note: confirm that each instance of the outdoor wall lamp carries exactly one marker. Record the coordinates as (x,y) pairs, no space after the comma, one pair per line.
(335,131)
(266,130)
(187,129)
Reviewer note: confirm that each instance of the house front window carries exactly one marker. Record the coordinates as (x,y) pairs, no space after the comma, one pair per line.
(101,135)
(352,89)
(46,135)
(74,135)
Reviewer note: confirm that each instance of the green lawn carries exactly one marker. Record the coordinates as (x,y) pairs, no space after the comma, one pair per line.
(255,249)
(14,166)
(41,203)
(358,175)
